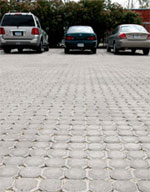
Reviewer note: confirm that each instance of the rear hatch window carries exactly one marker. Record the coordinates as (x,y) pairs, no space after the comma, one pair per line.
(18,20)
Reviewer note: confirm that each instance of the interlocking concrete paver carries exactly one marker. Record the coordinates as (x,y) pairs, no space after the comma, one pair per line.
(76,122)
(144,186)
(50,185)
(30,172)
(75,185)
(6,183)
(121,174)
(25,184)
(125,186)
(100,185)
(53,173)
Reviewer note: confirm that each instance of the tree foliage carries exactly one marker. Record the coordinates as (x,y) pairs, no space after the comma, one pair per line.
(56,15)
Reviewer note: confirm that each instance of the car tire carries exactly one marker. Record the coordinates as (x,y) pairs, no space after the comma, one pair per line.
(40,47)
(46,48)
(145,51)
(116,50)
(94,50)
(7,50)
(66,50)
(108,48)
(133,51)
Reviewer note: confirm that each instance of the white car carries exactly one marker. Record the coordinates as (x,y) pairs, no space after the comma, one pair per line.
(22,30)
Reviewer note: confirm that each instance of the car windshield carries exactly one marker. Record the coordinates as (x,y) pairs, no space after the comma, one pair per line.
(80,29)
(132,28)
(18,20)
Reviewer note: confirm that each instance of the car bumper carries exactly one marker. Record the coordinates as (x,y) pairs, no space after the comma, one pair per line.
(133,44)
(19,43)
(80,44)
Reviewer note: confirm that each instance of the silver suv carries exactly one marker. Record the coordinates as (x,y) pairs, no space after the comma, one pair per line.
(22,30)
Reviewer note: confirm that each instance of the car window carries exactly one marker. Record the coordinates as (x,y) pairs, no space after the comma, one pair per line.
(132,28)
(38,23)
(18,20)
(80,29)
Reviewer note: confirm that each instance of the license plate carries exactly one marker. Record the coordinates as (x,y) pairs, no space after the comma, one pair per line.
(80,45)
(137,37)
(18,33)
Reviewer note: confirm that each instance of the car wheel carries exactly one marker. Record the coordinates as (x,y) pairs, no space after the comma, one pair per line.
(20,50)
(108,48)
(40,47)
(116,51)
(66,50)
(94,50)
(46,48)
(145,51)
(133,51)
(7,50)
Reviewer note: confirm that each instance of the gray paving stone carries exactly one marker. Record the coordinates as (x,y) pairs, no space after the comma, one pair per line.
(77,139)
(98,174)
(14,161)
(120,174)
(96,154)
(9,171)
(44,145)
(20,152)
(96,146)
(139,164)
(55,162)
(50,185)
(79,154)
(112,139)
(60,145)
(53,173)
(75,173)
(100,185)
(143,174)
(34,161)
(114,147)
(77,163)
(136,154)
(25,184)
(97,163)
(6,183)
(118,163)
(144,186)
(129,139)
(38,152)
(77,146)
(132,147)
(116,154)
(75,185)
(57,153)
(30,172)
(124,186)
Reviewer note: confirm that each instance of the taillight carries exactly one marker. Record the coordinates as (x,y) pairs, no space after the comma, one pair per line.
(69,38)
(92,38)
(2,31)
(35,31)
(122,36)
(148,37)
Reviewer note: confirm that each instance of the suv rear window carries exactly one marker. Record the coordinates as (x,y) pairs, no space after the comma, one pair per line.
(18,20)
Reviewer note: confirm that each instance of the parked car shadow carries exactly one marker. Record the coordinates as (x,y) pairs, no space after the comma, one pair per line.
(79,52)
(128,53)
(25,51)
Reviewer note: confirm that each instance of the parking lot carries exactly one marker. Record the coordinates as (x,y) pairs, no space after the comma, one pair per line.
(77,122)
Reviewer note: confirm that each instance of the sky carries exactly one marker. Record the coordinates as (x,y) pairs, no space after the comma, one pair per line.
(124,3)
